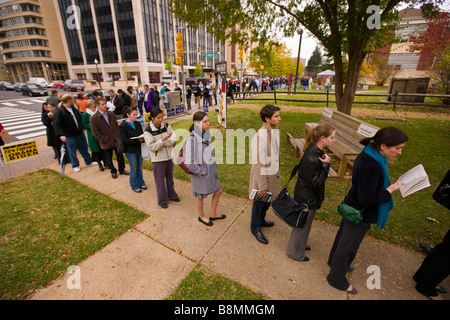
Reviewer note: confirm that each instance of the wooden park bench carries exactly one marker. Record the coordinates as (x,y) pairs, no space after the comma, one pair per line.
(349,131)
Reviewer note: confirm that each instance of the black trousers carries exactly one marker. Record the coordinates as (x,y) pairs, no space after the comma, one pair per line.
(435,268)
(108,153)
(344,250)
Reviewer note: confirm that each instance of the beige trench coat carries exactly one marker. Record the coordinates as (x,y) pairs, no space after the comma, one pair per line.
(265,160)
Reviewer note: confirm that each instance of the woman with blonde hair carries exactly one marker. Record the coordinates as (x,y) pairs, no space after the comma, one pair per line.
(310,188)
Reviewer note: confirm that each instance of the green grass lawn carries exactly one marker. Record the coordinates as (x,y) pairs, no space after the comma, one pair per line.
(407,223)
(202,284)
(48,223)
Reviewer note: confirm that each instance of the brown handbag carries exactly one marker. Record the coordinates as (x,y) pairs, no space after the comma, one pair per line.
(5,135)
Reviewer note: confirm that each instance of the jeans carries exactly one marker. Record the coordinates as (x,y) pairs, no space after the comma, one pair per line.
(259,210)
(136,178)
(78,143)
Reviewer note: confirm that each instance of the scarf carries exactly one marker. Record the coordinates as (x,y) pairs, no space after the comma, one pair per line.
(384,208)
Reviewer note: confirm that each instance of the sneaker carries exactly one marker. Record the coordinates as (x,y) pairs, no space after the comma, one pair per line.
(93,163)
(76,169)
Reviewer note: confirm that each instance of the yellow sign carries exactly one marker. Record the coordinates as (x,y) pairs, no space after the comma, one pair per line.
(20,151)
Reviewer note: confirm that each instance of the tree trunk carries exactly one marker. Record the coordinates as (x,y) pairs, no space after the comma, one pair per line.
(345,97)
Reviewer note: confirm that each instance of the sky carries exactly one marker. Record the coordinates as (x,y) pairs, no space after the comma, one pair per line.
(309,43)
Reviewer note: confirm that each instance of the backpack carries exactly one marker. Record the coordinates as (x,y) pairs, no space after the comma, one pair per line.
(180,161)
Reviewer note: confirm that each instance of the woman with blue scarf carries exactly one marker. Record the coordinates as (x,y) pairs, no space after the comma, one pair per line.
(370,192)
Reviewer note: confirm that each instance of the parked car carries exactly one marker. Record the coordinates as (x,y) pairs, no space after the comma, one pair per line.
(38,81)
(74,85)
(18,86)
(5,85)
(33,90)
(58,85)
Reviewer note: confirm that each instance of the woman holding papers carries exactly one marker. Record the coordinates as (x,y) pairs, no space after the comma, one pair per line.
(128,131)
(160,139)
(370,192)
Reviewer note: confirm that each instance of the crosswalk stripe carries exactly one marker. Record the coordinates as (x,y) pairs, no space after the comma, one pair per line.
(9,104)
(31,135)
(12,119)
(21,125)
(24,102)
(27,130)
(26,121)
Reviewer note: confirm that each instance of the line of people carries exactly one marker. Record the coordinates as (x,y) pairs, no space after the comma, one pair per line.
(371,190)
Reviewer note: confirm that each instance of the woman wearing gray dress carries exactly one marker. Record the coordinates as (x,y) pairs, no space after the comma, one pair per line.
(310,187)
(200,161)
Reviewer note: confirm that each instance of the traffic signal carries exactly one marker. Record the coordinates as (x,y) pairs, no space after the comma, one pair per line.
(179,49)
(241,54)
(218,50)
(199,51)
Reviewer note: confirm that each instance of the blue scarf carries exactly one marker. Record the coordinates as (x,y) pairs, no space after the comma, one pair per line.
(384,208)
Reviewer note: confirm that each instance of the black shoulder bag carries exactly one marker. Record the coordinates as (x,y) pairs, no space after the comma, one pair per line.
(287,209)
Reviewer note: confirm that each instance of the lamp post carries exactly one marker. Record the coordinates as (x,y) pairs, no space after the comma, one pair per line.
(98,75)
(298,59)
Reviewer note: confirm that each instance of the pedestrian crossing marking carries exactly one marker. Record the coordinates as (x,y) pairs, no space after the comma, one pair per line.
(22,124)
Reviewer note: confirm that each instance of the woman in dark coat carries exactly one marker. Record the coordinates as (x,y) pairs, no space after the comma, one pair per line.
(310,188)
(370,192)
(128,129)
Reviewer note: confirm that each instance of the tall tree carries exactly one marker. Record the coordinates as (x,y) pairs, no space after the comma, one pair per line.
(315,62)
(345,28)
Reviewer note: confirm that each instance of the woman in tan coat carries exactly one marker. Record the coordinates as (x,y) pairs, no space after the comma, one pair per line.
(265,170)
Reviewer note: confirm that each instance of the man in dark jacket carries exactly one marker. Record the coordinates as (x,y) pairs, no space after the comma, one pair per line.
(104,128)
(117,101)
(69,129)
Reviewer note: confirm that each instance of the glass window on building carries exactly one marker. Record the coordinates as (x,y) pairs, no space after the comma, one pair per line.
(126,30)
(151,33)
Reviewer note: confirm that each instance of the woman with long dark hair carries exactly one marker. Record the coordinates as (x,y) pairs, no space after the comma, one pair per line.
(370,192)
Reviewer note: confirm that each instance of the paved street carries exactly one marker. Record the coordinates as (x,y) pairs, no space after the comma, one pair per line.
(21,115)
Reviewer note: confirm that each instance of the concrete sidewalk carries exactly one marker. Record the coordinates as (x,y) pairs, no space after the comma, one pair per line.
(150,260)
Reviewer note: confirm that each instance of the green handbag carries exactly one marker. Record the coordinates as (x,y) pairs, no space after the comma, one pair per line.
(349,213)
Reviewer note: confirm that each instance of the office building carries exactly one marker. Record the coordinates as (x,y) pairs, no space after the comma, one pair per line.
(126,38)
(30,41)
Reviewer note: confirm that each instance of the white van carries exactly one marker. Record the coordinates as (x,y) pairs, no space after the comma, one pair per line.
(38,81)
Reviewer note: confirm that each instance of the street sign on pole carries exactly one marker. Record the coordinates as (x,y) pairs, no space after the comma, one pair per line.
(210,55)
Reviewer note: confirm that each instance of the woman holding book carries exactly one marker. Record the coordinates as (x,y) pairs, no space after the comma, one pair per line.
(310,188)
(129,129)
(370,192)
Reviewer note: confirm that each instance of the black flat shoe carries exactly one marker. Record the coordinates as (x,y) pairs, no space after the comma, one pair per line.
(222,216)
(260,237)
(307,248)
(164,205)
(175,200)
(138,191)
(144,188)
(353,291)
(209,224)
